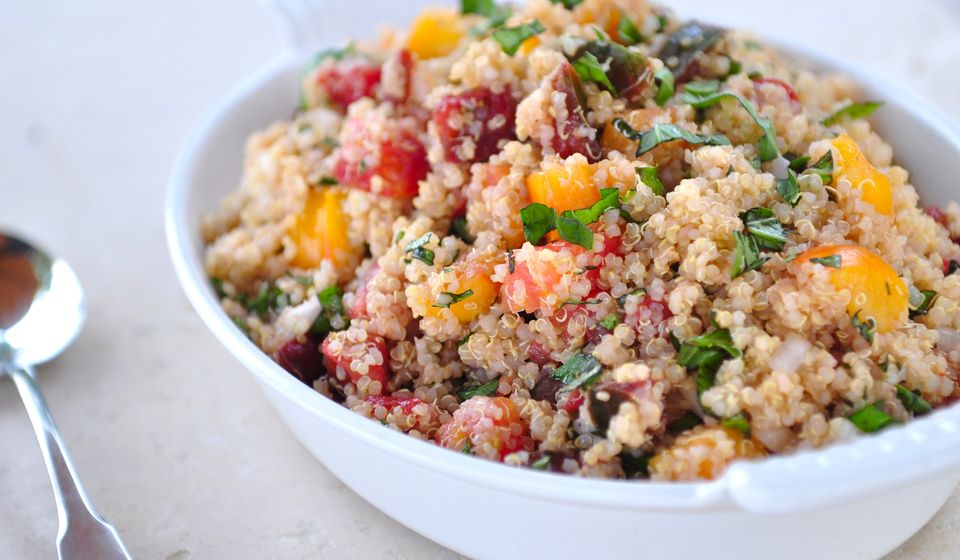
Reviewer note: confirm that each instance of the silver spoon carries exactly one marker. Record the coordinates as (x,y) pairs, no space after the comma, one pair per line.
(41,312)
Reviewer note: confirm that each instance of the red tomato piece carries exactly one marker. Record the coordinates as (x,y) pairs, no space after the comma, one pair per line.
(390,150)
(472,124)
(572,133)
(344,81)
(351,357)
(302,359)
(791,92)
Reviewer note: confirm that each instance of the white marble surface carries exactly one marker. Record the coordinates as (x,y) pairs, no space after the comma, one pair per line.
(174,441)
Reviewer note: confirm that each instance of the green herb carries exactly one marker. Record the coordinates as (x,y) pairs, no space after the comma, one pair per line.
(417,250)
(674,341)
(747,254)
(871,418)
(823,168)
(734,67)
(580,371)
(800,163)
(326,181)
(788,188)
(661,23)
(853,111)
(610,322)
(688,421)
(511,262)
(650,176)
(269,297)
(737,422)
(867,327)
(953,267)
(663,79)
(459,229)
(622,300)
(242,325)
(590,70)
(464,340)
(756,163)
(496,14)
(752,45)
(217,285)
(304,281)
(510,38)
(628,32)
(452,298)
(397,238)
(701,95)
(488,388)
(762,225)
(705,353)
(541,464)
(582,302)
(332,316)
(833,261)
(921,301)
(539,219)
(568,4)
(467,448)
(912,401)
(635,466)
(663,133)
(330,142)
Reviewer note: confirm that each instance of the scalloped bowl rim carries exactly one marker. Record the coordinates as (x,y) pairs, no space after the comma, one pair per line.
(733,488)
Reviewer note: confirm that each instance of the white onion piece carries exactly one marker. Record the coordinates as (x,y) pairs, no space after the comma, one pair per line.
(789,355)
(780,168)
(949,340)
(774,439)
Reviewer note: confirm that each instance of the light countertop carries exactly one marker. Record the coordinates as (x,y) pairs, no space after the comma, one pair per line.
(174,441)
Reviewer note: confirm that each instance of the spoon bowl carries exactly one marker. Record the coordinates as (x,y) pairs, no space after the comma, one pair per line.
(41,313)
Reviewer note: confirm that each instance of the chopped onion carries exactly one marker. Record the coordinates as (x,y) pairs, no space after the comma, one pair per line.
(788,357)
(949,340)
(775,439)
(780,168)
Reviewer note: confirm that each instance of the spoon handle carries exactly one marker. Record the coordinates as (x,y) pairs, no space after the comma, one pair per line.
(83,534)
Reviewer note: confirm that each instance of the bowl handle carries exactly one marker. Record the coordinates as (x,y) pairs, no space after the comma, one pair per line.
(808,480)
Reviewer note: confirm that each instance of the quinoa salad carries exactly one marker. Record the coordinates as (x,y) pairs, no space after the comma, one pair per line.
(590,237)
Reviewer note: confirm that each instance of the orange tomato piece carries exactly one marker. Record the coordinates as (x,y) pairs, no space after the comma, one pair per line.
(569,187)
(703,453)
(876,289)
(850,164)
(435,33)
(474,277)
(320,231)
(488,427)
(534,282)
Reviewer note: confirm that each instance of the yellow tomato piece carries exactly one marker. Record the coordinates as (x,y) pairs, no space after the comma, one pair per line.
(703,453)
(564,188)
(320,231)
(638,119)
(529,45)
(876,289)
(474,277)
(435,33)
(849,163)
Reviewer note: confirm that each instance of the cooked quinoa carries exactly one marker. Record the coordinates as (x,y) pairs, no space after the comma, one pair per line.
(592,238)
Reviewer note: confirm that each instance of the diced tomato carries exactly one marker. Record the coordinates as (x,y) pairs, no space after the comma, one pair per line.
(396,156)
(938,215)
(390,402)
(572,134)
(359,308)
(791,92)
(472,124)
(302,359)
(398,72)
(611,245)
(530,284)
(573,402)
(489,427)
(649,318)
(349,357)
(344,81)
(537,354)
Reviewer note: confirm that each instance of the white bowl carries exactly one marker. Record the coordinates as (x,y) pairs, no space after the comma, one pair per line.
(855,500)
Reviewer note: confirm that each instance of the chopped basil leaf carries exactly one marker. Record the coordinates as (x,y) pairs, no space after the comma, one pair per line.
(867,327)
(688,421)
(833,261)
(538,220)
(326,181)
(450,298)
(674,341)
(755,163)
(800,163)
(582,302)
(953,267)
(417,250)
(628,32)
(479,7)
(788,188)
(705,353)
(762,225)
(823,168)
(332,316)
(926,299)
(622,300)
(399,236)
(734,67)
(304,281)
(496,14)
(912,401)
(580,371)
(330,142)
(269,297)
(467,448)
(747,254)
(488,388)
(217,285)
(684,47)
(458,227)
(662,133)
(590,70)
(871,418)
(663,79)
(464,340)
(650,176)
(610,322)
(568,4)
(242,325)
(575,231)
(609,198)
(853,111)
(510,38)
(541,464)
(737,422)
(701,95)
